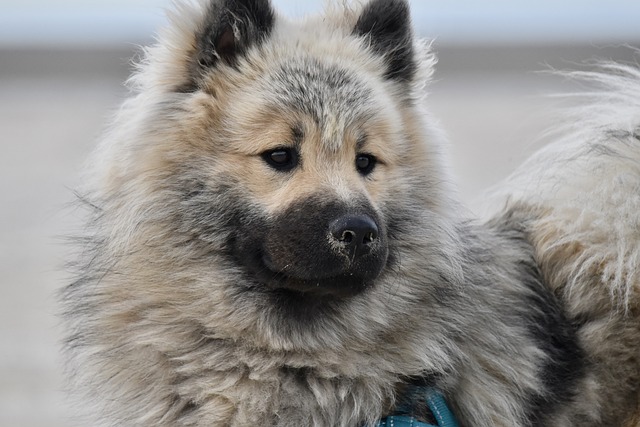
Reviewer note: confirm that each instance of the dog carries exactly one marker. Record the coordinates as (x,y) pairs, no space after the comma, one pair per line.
(273,239)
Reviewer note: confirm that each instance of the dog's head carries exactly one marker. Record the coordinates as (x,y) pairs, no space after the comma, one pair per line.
(283,171)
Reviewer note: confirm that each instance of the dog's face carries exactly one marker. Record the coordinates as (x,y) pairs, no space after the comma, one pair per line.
(288,165)
(307,147)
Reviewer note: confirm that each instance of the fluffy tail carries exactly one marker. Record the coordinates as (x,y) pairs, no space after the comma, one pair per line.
(584,192)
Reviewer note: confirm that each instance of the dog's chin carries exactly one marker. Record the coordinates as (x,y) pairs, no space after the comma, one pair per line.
(338,287)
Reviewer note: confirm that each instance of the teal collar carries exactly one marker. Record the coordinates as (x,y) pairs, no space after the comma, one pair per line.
(436,403)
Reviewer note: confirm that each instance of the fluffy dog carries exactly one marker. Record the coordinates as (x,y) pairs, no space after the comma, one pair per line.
(273,241)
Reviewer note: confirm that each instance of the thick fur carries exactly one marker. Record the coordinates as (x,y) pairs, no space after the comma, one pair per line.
(210,292)
(583,193)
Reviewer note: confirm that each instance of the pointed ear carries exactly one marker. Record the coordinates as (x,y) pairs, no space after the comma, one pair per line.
(387,25)
(230,27)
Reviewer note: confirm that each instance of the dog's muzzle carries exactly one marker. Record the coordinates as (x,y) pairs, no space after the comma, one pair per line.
(322,248)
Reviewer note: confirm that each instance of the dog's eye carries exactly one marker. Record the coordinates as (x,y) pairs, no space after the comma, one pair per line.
(365,163)
(281,159)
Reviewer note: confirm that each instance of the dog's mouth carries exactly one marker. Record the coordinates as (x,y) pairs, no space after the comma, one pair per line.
(337,286)
(318,283)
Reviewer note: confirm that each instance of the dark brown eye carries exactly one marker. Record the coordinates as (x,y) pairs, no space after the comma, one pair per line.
(281,159)
(365,163)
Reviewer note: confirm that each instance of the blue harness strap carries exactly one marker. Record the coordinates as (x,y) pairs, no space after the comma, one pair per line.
(438,406)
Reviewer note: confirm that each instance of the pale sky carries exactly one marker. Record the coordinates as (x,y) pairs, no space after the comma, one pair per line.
(109,22)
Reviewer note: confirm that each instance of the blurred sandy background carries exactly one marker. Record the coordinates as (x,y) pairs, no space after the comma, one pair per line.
(56,94)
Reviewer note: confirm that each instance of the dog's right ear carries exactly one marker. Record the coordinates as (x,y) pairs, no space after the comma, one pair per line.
(230,27)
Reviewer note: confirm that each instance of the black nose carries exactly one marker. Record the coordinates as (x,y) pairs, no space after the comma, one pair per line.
(355,232)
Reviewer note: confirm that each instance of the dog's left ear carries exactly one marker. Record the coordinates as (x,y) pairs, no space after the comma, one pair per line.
(387,25)
(231,27)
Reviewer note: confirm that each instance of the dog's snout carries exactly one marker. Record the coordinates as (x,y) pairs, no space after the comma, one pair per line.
(323,248)
(356,232)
